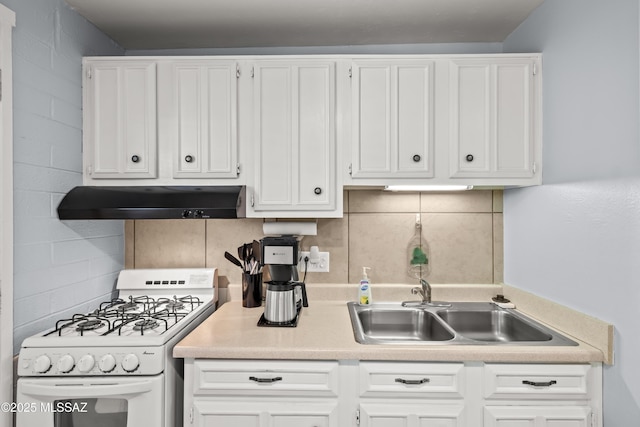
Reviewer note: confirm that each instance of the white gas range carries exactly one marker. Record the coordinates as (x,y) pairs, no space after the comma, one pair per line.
(115,362)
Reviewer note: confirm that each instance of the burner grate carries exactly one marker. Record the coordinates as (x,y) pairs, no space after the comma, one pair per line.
(137,315)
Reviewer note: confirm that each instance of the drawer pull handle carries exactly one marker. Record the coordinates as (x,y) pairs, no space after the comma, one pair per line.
(540,384)
(265,380)
(412,382)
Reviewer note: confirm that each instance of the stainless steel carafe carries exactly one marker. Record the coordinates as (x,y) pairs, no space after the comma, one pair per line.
(282,301)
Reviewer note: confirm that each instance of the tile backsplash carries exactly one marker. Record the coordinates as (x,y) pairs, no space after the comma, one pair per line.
(463,231)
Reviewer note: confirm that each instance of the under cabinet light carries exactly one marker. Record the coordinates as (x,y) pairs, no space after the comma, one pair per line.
(427,188)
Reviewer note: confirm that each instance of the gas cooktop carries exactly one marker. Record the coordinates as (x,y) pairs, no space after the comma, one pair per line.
(130,334)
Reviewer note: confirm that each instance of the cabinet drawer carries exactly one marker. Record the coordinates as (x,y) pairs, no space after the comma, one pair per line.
(273,378)
(536,381)
(380,379)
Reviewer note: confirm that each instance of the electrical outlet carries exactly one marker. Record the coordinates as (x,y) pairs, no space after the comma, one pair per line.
(319,266)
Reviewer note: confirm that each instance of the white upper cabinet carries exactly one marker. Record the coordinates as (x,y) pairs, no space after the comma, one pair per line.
(445,119)
(392,118)
(294,137)
(205,119)
(295,129)
(120,119)
(494,118)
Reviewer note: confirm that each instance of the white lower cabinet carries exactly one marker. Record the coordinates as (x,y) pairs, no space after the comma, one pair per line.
(538,416)
(261,393)
(285,393)
(250,413)
(412,415)
(536,382)
(532,395)
(411,394)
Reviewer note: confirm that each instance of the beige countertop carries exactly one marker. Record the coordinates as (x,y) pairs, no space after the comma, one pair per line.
(324,333)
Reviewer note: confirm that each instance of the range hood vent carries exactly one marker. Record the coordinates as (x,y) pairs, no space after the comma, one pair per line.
(153,202)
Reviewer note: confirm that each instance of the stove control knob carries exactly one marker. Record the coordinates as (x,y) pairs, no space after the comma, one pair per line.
(107,363)
(42,364)
(130,362)
(86,363)
(66,363)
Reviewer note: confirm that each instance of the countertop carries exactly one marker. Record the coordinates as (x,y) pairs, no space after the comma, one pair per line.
(324,333)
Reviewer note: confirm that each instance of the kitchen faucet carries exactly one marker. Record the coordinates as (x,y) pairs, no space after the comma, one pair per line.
(425,292)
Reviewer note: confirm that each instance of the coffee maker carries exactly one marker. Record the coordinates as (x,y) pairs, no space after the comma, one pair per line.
(285,295)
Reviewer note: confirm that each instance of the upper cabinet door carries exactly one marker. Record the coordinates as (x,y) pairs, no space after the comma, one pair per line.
(493,123)
(205,110)
(120,119)
(294,132)
(392,118)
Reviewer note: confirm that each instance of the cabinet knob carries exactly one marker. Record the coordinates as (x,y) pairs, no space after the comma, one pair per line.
(188,159)
(416,158)
(469,157)
(317,190)
(135,158)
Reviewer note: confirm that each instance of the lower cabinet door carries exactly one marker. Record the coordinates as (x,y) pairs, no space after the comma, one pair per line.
(264,414)
(412,415)
(537,416)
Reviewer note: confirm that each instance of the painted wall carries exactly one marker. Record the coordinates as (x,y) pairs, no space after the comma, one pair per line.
(398,49)
(576,239)
(60,268)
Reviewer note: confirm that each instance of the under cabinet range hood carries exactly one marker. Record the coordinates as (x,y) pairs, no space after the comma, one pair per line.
(153,202)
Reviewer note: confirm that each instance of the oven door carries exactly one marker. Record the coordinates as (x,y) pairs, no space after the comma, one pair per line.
(90,402)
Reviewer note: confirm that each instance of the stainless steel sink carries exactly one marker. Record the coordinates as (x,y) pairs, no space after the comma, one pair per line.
(492,325)
(462,323)
(391,324)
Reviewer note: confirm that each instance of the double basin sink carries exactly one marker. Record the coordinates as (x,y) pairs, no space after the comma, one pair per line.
(474,323)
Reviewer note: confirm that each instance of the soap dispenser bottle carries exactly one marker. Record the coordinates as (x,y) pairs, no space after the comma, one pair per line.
(364,292)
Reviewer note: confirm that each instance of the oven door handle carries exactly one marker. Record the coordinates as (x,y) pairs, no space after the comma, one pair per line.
(86,390)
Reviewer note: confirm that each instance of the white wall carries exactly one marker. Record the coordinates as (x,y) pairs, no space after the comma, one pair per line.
(576,239)
(60,268)
(409,49)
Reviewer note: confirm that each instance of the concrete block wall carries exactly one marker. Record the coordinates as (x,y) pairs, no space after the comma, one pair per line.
(60,267)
